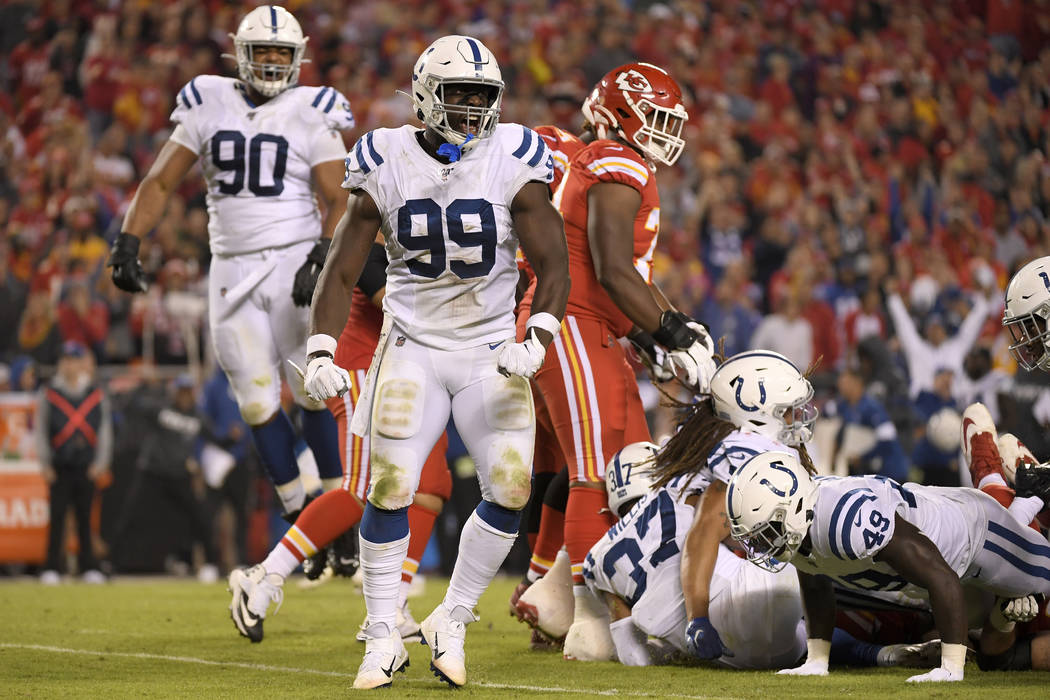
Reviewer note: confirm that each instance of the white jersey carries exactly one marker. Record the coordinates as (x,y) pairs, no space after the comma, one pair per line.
(450,240)
(257,160)
(727,456)
(854,519)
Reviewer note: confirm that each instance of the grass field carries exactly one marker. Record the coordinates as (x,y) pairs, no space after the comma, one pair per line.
(172,638)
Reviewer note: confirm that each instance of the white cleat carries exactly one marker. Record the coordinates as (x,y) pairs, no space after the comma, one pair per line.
(547,605)
(253,590)
(589,638)
(385,655)
(1014,454)
(444,633)
(406,626)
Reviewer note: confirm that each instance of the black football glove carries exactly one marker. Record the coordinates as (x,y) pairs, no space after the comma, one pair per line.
(1033,480)
(306,276)
(127,269)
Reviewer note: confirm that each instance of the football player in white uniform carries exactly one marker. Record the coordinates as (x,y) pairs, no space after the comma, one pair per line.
(636,568)
(872,533)
(453,201)
(267,149)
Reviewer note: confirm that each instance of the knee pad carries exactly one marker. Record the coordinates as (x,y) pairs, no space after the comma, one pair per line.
(394,473)
(1016,658)
(509,479)
(508,405)
(397,412)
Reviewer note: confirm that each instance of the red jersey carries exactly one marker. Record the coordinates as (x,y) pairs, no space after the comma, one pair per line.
(605,161)
(563,146)
(357,342)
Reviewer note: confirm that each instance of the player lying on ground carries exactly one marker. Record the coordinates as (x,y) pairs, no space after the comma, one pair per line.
(636,569)
(875,534)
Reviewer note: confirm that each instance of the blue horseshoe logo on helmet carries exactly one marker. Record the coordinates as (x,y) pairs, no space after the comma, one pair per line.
(738,382)
(779,466)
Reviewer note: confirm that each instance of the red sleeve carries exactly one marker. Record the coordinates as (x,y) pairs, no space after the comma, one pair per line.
(608,161)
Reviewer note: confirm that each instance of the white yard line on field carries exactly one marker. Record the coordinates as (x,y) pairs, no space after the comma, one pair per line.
(339,674)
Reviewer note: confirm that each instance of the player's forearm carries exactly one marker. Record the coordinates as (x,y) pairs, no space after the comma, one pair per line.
(146,207)
(333,214)
(632,296)
(552,286)
(949,606)
(818,602)
(698,566)
(331,303)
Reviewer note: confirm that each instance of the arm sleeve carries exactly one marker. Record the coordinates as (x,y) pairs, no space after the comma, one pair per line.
(860,525)
(531,160)
(40,421)
(909,336)
(104,453)
(360,162)
(186,116)
(373,276)
(336,110)
(326,146)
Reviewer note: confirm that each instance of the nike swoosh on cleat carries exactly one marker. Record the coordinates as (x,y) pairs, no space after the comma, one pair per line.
(389,671)
(247,615)
(493,346)
(437,652)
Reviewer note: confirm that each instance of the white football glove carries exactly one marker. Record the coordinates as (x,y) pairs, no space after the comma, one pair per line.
(937,675)
(696,362)
(523,359)
(810,668)
(324,379)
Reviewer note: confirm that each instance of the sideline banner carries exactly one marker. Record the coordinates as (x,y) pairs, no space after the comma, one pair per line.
(23,491)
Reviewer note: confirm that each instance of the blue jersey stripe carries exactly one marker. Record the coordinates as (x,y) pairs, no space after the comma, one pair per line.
(833,527)
(526,142)
(331,102)
(537,154)
(1018,540)
(1017,562)
(476,52)
(196,93)
(847,545)
(320,96)
(185,100)
(359,155)
(376,158)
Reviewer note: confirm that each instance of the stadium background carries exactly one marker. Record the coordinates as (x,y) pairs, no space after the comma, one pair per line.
(839,152)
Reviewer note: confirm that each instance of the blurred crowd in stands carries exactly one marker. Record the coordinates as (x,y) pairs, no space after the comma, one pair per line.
(860,179)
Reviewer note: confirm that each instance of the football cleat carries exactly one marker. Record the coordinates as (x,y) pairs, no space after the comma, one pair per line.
(522,586)
(407,627)
(253,590)
(313,567)
(1014,453)
(979,444)
(385,655)
(923,655)
(445,633)
(589,638)
(342,554)
(547,605)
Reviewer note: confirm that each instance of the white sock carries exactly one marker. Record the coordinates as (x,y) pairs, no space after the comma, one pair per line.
(1025,509)
(992,478)
(280,561)
(331,483)
(630,643)
(586,604)
(381,571)
(402,592)
(482,549)
(292,495)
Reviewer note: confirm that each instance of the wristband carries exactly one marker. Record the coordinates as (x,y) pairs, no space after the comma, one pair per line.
(320,343)
(953,657)
(544,321)
(819,651)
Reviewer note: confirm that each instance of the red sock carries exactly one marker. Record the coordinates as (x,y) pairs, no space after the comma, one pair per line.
(327,517)
(1001,493)
(420,525)
(548,541)
(587,518)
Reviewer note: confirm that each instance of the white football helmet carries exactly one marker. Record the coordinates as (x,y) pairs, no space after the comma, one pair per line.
(628,474)
(770,503)
(268,25)
(762,392)
(456,59)
(1026,314)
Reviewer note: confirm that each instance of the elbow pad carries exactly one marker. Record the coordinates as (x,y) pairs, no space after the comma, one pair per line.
(373,276)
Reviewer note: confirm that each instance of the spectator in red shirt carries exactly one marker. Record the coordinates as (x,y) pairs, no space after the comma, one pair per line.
(82,318)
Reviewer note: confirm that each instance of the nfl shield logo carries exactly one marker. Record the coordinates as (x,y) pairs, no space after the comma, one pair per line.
(400,341)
